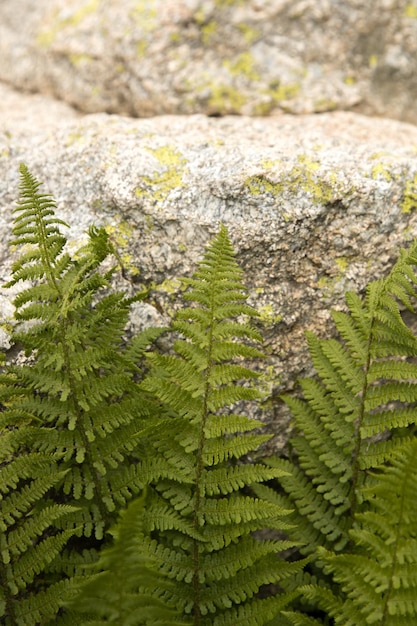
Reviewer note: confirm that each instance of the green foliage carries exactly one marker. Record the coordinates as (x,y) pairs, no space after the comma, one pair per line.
(121,593)
(100,437)
(353,432)
(200,514)
(378,579)
(72,412)
(30,536)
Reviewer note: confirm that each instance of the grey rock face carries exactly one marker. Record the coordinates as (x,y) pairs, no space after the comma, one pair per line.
(314,204)
(252,57)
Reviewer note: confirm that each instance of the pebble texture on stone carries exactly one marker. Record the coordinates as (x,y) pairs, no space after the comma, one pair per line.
(315,204)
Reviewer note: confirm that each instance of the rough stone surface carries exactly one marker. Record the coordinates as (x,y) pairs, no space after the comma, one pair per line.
(254,57)
(314,204)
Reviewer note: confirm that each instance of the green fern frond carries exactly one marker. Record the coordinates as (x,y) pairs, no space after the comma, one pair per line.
(83,390)
(77,400)
(359,377)
(379,578)
(121,590)
(196,523)
(30,539)
(357,415)
(37,226)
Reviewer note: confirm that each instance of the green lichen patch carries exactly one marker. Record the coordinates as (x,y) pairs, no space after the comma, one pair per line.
(280,91)
(342,263)
(121,234)
(303,177)
(381,171)
(268,315)
(411,10)
(46,38)
(242,65)
(207,32)
(225,99)
(161,183)
(170,286)
(373,61)
(78,60)
(249,33)
(410,196)
(145,14)
(276,93)
(141,48)
(229,3)
(75,138)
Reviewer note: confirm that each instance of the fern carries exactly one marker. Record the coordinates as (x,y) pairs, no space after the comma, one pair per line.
(356,416)
(121,592)
(199,513)
(77,401)
(91,419)
(30,537)
(378,578)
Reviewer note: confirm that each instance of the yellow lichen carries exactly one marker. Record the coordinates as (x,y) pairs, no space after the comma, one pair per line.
(170,286)
(373,61)
(149,223)
(411,10)
(161,183)
(243,65)
(380,171)
(207,32)
(141,48)
(74,138)
(46,38)
(342,263)
(80,59)
(279,92)
(268,315)
(249,34)
(410,196)
(228,3)
(120,235)
(300,177)
(145,14)
(225,99)
(324,104)
(200,16)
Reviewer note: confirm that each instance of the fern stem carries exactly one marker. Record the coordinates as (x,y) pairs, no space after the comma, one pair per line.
(356,471)
(387,595)
(79,412)
(199,471)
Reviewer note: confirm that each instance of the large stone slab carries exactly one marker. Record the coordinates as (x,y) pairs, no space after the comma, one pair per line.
(252,57)
(314,204)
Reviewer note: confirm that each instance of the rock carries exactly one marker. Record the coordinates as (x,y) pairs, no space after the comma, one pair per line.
(314,204)
(253,57)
